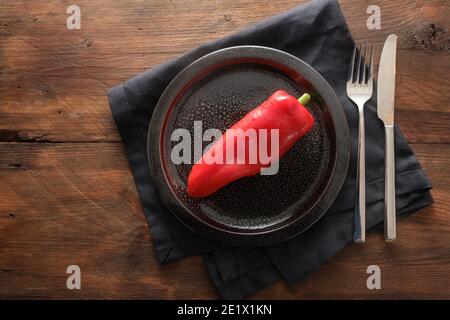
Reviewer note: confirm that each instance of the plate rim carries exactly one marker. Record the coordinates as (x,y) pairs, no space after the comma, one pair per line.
(342,144)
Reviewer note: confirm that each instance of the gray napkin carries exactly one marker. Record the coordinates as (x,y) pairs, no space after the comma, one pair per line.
(317,33)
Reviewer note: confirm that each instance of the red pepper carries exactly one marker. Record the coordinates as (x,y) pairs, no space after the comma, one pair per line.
(280,111)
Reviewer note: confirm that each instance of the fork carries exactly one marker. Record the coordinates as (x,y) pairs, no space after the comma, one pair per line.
(359,90)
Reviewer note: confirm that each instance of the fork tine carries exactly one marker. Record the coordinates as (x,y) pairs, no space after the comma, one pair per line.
(370,79)
(357,62)
(365,64)
(360,62)
(352,66)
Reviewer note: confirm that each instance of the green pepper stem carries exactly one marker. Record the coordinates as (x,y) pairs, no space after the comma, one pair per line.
(304,99)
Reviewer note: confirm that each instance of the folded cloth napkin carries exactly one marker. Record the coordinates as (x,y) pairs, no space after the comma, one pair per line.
(317,33)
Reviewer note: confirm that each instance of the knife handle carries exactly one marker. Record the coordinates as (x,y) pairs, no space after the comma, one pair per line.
(389,187)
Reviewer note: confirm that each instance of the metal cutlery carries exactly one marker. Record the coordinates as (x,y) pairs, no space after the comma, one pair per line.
(385,109)
(359,90)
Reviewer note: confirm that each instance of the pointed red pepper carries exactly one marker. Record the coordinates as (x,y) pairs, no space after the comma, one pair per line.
(280,111)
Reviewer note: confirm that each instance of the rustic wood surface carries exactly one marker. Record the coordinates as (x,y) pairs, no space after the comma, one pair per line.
(67,195)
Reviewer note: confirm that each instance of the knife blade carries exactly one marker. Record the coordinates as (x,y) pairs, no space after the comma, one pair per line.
(385,110)
(386,81)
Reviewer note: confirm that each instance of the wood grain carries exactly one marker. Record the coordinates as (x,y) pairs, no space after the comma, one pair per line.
(53,80)
(68,203)
(66,192)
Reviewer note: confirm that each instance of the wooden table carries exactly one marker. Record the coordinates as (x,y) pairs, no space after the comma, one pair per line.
(67,195)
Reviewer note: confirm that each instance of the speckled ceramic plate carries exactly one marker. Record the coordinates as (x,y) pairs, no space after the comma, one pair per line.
(219,89)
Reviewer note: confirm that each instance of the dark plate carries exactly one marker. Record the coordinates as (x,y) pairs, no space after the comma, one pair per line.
(219,89)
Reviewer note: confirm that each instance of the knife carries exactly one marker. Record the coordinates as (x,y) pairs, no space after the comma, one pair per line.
(385,98)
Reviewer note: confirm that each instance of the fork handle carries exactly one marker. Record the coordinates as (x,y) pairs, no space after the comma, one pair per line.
(360,208)
(389,187)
